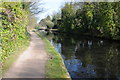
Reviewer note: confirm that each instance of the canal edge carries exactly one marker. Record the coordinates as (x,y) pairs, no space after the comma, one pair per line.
(67,75)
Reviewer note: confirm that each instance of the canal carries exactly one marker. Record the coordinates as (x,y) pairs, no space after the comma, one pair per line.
(87,57)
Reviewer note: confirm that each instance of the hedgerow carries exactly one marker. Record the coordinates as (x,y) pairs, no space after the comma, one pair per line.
(14,21)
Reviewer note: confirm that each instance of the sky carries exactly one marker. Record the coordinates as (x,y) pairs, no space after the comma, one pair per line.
(53,6)
(50,7)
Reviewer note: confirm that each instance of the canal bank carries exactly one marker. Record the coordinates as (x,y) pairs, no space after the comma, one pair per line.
(55,67)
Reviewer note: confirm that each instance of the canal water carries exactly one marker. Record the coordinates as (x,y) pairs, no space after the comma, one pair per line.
(87,57)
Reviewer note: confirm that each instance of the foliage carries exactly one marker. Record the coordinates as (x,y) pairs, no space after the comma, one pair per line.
(106,25)
(12,58)
(56,17)
(46,22)
(101,19)
(14,28)
(67,16)
(48,17)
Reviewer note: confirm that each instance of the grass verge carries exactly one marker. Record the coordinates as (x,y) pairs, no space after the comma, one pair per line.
(55,67)
(12,58)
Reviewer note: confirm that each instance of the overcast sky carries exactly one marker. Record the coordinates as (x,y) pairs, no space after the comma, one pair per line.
(50,7)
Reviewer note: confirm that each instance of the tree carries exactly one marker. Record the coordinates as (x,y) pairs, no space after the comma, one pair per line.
(48,17)
(116,7)
(33,7)
(67,16)
(87,16)
(107,25)
(101,18)
(55,18)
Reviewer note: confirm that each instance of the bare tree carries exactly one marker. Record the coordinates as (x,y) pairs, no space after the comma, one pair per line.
(34,7)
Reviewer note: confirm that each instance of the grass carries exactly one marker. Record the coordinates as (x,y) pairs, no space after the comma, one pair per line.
(12,58)
(55,67)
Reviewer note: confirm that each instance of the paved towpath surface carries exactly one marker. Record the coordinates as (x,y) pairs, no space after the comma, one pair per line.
(31,63)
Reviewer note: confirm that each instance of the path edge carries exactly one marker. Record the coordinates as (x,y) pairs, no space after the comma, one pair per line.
(66,74)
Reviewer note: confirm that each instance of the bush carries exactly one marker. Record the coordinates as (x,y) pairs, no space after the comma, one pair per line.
(13,31)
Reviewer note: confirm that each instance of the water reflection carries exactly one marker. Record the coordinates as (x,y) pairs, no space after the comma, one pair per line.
(86,57)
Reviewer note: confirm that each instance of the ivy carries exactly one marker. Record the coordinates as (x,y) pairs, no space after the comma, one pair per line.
(13,30)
